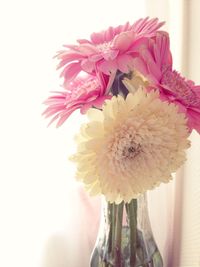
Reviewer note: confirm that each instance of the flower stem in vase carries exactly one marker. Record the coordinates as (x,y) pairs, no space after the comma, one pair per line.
(131,209)
(118,235)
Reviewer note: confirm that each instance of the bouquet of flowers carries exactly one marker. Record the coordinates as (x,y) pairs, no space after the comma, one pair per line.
(140,114)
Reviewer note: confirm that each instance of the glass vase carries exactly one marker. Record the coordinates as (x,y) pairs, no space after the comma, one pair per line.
(125,237)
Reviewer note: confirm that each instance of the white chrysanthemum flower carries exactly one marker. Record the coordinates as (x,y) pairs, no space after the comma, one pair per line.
(136,81)
(131,146)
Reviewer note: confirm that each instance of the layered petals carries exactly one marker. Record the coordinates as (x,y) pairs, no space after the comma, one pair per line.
(155,63)
(131,146)
(105,50)
(82,93)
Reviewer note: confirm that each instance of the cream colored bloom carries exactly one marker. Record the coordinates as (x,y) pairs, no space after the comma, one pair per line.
(131,146)
(136,81)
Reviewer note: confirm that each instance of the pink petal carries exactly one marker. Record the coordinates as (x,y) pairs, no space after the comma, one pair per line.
(139,24)
(107,55)
(96,57)
(64,117)
(100,101)
(109,34)
(193,119)
(181,107)
(196,89)
(97,37)
(108,67)
(140,65)
(104,81)
(72,47)
(123,41)
(137,44)
(110,82)
(83,41)
(87,49)
(71,71)
(68,57)
(110,55)
(152,67)
(51,111)
(96,103)
(87,65)
(147,27)
(122,28)
(161,49)
(125,63)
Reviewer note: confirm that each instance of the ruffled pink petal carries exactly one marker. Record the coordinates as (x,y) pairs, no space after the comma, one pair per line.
(123,41)
(69,57)
(122,28)
(63,117)
(96,103)
(110,82)
(168,92)
(84,90)
(139,24)
(152,67)
(53,110)
(161,49)
(97,37)
(100,101)
(181,107)
(108,67)
(70,72)
(74,48)
(104,82)
(147,27)
(83,41)
(96,57)
(193,119)
(196,89)
(137,44)
(109,34)
(87,49)
(87,65)
(107,55)
(140,65)
(125,63)
(53,119)
(110,55)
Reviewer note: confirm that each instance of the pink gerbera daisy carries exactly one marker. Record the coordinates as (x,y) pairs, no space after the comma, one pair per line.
(107,51)
(82,93)
(155,63)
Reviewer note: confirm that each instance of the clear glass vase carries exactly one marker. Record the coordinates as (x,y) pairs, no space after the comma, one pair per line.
(125,237)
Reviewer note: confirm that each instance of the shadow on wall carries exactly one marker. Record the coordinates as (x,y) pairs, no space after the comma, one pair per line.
(56,251)
(72,247)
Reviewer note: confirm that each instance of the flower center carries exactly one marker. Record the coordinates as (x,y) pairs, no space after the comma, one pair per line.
(131,151)
(180,87)
(124,146)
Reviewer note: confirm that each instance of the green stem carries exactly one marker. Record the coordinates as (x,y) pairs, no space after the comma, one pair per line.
(113,226)
(118,235)
(110,223)
(132,217)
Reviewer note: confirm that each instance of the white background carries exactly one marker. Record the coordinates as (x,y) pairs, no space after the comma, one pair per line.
(37,189)
(42,216)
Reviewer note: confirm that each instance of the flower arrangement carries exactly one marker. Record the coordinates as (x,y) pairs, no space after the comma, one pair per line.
(140,114)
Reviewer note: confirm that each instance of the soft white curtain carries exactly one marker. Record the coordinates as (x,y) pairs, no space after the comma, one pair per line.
(181,240)
(190,229)
(47,220)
